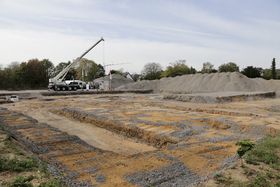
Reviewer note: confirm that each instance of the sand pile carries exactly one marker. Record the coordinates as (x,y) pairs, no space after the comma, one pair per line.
(205,83)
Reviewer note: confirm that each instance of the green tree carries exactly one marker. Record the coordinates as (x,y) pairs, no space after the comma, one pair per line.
(267,74)
(193,70)
(34,74)
(252,72)
(228,67)
(25,75)
(151,71)
(88,70)
(176,69)
(49,68)
(100,71)
(114,71)
(273,69)
(208,68)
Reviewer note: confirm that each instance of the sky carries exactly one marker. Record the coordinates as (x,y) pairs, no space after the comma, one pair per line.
(137,32)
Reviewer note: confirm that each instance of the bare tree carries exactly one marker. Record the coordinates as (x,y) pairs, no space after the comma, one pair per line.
(207,68)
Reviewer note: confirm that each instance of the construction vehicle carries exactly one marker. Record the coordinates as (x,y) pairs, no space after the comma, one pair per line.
(12,98)
(58,83)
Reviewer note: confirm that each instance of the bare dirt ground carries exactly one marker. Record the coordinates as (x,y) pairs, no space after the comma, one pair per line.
(95,136)
(149,141)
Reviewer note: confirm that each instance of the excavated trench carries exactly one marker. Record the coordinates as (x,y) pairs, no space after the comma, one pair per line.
(130,131)
(92,134)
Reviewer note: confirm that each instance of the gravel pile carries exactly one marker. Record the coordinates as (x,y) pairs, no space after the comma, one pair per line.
(205,83)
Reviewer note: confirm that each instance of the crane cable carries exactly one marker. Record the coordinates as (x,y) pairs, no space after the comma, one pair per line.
(103,54)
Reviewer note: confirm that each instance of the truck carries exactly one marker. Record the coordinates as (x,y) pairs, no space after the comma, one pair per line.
(58,83)
(12,98)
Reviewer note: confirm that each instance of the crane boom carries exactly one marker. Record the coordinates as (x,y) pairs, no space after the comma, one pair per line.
(91,48)
(61,75)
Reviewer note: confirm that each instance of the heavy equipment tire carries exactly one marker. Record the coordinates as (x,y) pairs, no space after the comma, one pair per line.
(75,88)
(70,88)
(57,89)
(63,88)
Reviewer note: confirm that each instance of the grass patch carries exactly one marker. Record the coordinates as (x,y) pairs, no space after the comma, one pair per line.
(17,165)
(8,146)
(221,179)
(15,161)
(51,183)
(260,181)
(267,151)
(265,171)
(21,181)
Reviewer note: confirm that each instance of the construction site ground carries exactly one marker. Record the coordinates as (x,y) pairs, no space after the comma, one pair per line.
(20,168)
(136,139)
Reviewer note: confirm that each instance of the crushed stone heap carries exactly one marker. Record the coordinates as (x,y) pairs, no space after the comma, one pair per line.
(206,83)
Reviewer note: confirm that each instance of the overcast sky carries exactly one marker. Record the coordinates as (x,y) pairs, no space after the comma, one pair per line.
(136,32)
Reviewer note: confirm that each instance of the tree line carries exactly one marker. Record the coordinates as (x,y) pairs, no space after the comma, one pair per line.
(154,70)
(35,74)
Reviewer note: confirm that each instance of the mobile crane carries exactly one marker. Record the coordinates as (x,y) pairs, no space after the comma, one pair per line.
(57,83)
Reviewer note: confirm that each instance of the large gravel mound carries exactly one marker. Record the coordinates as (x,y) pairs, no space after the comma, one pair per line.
(200,83)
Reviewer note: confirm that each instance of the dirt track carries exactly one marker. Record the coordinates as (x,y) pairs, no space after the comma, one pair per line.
(191,141)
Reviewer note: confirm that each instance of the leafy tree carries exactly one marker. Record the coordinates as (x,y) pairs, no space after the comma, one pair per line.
(152,71)
(113,71)
(100,71)
(13,75)
(88,70)
(193,70)
(35,74)
(49,68)
(267,74)
(208,68)
(176,69)
(252,72)
(228,67)
(273,69)
(26,75)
